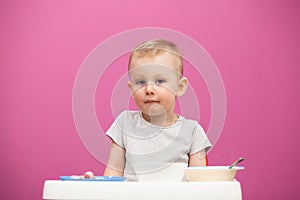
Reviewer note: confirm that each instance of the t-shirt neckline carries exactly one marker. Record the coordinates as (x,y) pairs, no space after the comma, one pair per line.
(162,127)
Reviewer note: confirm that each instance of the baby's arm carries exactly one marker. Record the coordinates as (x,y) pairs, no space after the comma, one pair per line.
(116,161)
(198,159)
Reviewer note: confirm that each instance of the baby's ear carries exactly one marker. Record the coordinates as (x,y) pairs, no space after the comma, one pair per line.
(182,86)
(130,88)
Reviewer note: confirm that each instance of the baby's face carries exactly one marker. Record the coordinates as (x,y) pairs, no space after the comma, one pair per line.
(155,82)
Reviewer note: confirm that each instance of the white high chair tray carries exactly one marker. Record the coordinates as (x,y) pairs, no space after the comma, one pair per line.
(80,190)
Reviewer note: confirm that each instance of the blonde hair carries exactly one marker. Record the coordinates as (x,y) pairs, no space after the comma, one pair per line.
(156,47)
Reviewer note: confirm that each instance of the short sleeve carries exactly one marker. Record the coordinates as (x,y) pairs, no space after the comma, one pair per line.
(200,141)
(115,131)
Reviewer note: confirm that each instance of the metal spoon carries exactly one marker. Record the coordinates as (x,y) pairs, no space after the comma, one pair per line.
(236,162)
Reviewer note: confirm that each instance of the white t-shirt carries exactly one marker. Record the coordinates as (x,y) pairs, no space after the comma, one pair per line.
(149,147)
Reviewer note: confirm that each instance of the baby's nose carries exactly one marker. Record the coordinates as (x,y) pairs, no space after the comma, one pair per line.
(149,89)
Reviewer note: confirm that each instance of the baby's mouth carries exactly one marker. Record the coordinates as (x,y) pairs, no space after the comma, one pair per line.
(151,101)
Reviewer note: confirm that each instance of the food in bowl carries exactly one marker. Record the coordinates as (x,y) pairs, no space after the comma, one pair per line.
(212,173)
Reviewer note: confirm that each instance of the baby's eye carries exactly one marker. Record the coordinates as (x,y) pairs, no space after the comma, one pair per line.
(160,81)
(140,82)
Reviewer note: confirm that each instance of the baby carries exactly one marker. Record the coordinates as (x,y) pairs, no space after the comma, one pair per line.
(155,136)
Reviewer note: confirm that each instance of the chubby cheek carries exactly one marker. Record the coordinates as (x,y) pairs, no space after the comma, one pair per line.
(169,103)
(138,97)
(167,96)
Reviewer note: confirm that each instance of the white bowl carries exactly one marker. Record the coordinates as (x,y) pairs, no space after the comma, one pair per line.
(171,173)
(212,173)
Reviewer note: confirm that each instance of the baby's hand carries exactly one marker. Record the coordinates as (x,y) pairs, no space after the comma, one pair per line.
(88,174)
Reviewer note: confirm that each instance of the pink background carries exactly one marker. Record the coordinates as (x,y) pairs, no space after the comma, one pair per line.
(255,45)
